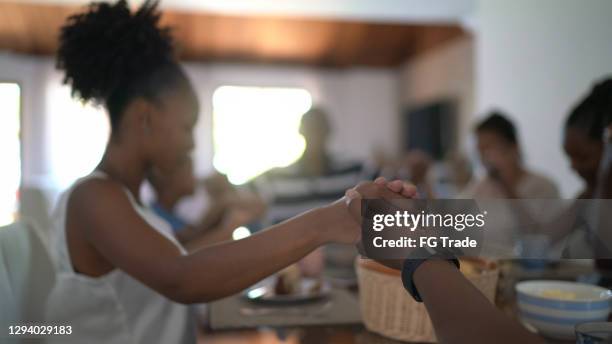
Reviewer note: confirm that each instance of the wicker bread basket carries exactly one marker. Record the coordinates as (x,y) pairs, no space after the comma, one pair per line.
(387,308)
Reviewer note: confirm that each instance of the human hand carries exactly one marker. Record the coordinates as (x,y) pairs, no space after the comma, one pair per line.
(379,189)
(346,212)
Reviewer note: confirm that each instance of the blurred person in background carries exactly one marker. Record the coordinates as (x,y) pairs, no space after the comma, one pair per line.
(415,166)
(213,198)
(599,102)
(433,179)
(315,179)
(227,209)
(500,154)
(507,178)
(583,143)
(459,172)
(122,276)
(588,145)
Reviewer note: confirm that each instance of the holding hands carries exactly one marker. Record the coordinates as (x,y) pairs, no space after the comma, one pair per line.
(345,214)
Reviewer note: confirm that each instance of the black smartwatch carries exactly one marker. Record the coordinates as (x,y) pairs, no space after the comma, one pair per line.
(410,265)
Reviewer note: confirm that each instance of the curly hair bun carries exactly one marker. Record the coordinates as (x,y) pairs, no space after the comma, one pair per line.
(108,47)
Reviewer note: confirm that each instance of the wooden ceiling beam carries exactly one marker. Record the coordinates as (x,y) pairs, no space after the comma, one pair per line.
(34,29)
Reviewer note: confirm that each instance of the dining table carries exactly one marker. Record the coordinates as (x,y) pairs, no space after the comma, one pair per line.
(234,320)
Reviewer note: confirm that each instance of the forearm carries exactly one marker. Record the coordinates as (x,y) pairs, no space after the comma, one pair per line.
(460,313)
(226,268)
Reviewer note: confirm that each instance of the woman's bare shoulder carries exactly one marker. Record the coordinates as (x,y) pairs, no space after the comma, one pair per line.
(96,197)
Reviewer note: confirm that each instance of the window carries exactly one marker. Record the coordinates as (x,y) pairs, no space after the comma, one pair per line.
(10,151)
(256,129)
(78,136)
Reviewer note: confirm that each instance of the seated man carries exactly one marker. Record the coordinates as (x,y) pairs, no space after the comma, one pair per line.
(315,179)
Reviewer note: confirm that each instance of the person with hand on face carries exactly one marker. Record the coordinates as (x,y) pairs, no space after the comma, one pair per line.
(506,176)
(122,276)
(170,189)
(224,200)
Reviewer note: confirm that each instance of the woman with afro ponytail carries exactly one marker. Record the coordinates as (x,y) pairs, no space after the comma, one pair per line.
(122,275)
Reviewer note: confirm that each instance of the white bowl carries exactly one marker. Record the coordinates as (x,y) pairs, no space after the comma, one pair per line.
(556,316)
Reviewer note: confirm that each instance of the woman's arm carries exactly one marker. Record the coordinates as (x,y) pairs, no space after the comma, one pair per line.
(460,313)
(111,227)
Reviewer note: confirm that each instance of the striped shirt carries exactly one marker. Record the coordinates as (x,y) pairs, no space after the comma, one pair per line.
(290,191)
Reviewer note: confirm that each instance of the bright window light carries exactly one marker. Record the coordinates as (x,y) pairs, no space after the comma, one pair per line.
(10,151)
(256,129)
(78,136)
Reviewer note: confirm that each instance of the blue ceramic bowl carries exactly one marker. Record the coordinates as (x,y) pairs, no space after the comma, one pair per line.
(554,308)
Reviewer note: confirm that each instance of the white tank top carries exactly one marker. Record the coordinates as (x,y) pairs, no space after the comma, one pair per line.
(114,308)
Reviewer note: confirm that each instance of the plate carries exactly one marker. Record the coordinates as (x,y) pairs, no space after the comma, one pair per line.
(264,292)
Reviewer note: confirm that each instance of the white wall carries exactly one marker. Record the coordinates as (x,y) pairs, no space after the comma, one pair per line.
(534,60)
(444,72)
